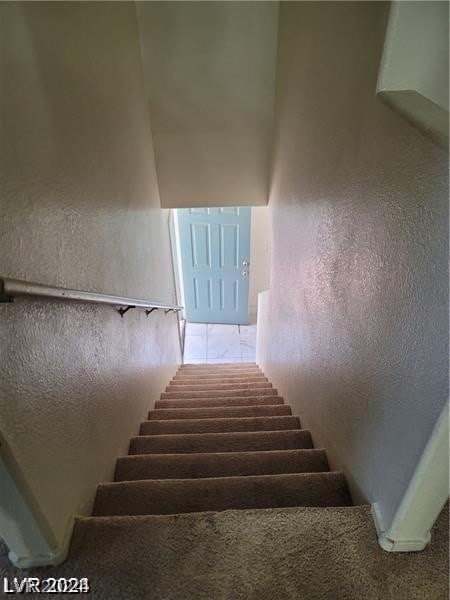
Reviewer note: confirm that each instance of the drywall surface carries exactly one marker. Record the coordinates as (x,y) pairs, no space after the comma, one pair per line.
(415,54)
(357,311)
(80,208)
(259,257)
(209,69)
(262,330)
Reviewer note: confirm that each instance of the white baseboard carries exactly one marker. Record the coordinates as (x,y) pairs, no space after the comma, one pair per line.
(426,494)
(52,559)
(391,545)
(403,545)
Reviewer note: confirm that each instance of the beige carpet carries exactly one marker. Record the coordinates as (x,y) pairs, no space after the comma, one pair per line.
(276,554)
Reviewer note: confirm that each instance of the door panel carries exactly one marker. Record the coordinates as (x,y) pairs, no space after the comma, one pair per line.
(201,245)
(215,253)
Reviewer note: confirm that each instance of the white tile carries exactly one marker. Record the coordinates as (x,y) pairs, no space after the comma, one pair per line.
(194,361)
(248,347)
(248,336)
(195,328)
(248,330)
(236,359)
(214,329)
(194,346)
(223,346)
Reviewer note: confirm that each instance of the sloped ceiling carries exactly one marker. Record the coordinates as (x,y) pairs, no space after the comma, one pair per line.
(209,71)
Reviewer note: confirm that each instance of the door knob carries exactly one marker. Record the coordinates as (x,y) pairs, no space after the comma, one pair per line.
(244,273)
(245,263)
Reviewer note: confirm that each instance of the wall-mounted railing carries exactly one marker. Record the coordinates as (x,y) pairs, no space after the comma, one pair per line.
(12,288)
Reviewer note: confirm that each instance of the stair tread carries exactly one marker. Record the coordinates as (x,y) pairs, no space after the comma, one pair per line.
(171,496)
(216,368)
(212,393)
(217,365)
(220,372)
(221,442)
(229,401)
(220,464)
(220,424)
(175,387)
(220,411)
(136,521)
(213,378)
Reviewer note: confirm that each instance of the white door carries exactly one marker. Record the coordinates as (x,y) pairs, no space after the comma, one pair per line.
(215,257)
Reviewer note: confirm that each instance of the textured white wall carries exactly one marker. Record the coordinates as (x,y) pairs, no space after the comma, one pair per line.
(80,208)
(210,73)
(357,318)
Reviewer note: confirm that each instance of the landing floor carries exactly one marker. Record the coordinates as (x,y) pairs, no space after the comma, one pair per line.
(219,343)
(281,554)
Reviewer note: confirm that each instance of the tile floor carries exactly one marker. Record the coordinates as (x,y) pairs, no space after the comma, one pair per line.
(219,343)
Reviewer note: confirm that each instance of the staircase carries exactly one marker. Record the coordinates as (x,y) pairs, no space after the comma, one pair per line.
(220,438)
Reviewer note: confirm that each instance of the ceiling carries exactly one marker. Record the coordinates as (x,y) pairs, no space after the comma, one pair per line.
(209,71)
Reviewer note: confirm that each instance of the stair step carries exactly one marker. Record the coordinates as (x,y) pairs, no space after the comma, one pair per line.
(200,366)
(215,393)
(221,442)
(218,374)
(229,401)
(212,370)
(199,387)
(220,425)
(172,496)
(217,412)
(189,380)
(226,464)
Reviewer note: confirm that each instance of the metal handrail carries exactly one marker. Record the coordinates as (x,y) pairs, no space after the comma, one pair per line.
(10,288)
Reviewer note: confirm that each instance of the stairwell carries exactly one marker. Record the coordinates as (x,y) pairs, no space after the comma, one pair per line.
(220,438)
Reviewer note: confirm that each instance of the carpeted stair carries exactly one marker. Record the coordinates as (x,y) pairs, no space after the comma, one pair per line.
(220,438)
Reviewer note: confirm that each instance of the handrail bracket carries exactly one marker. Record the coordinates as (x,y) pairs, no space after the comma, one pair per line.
(122,311)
